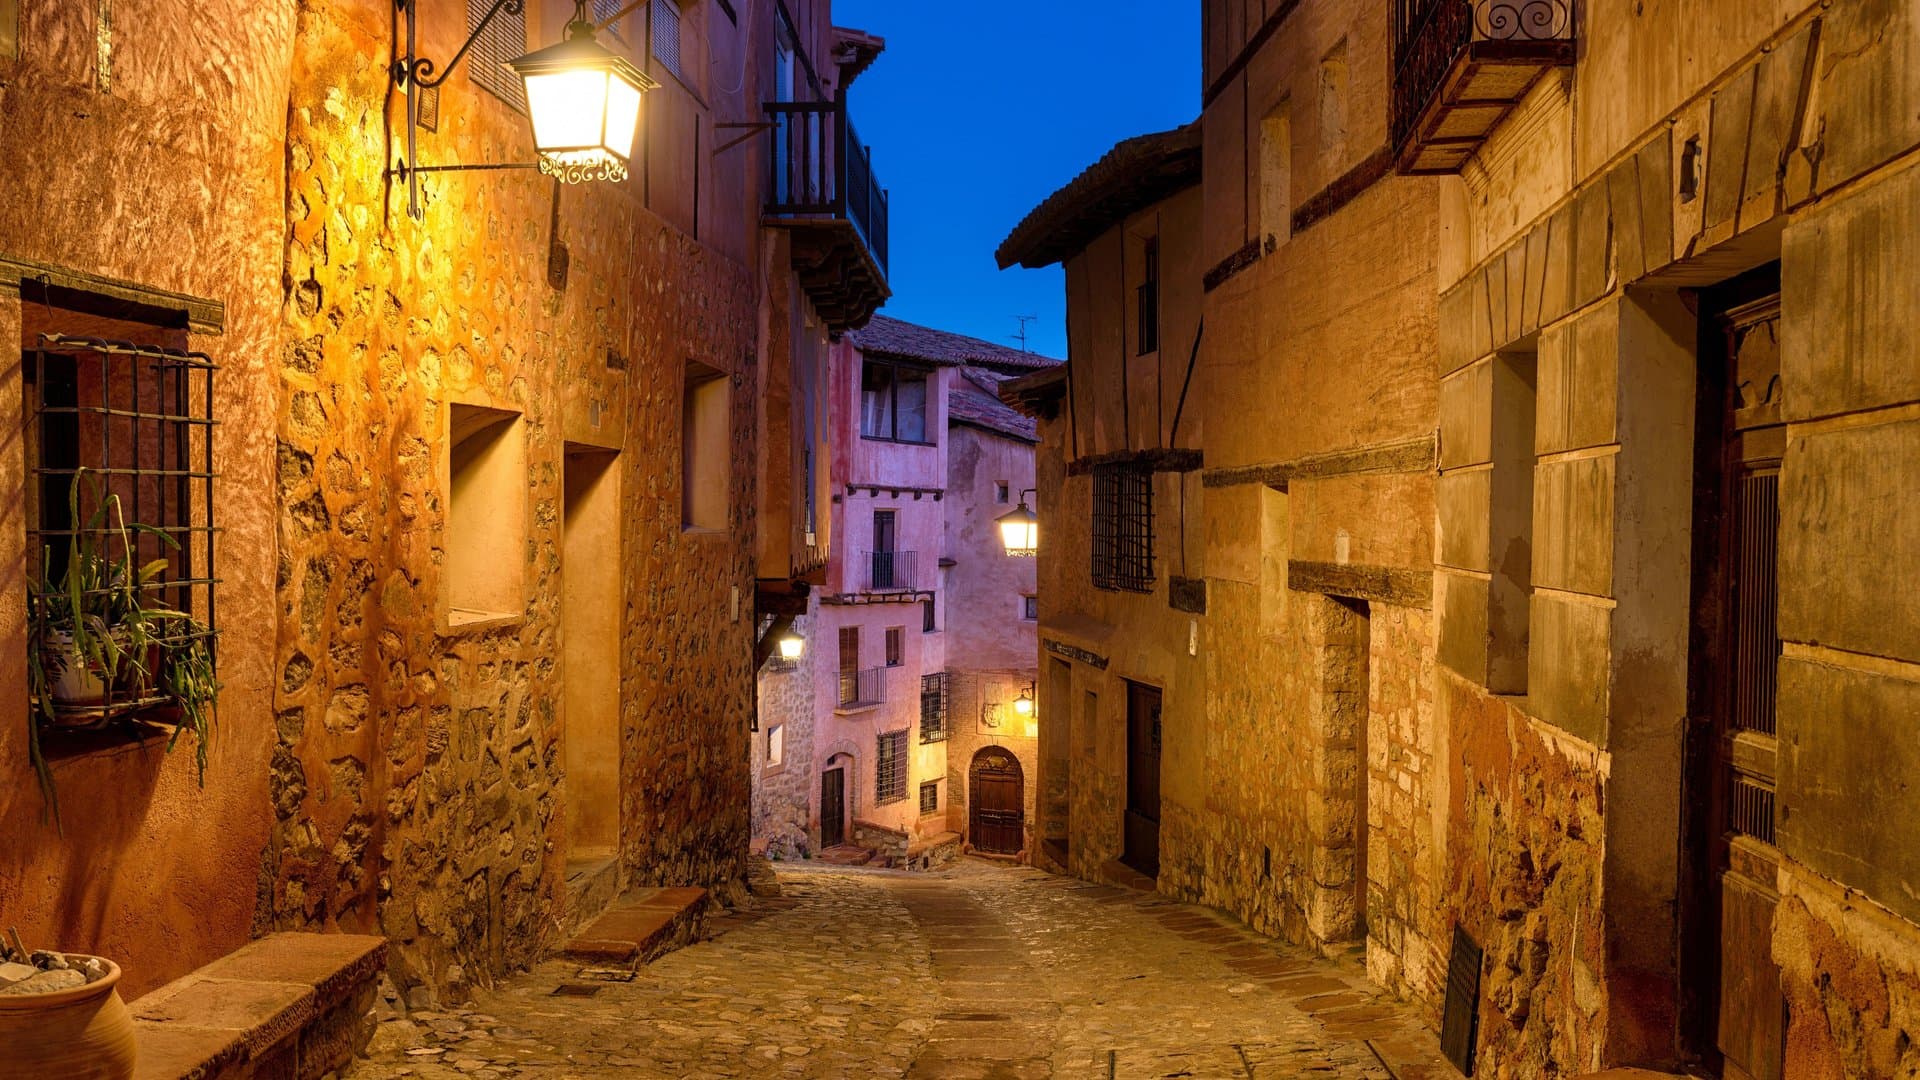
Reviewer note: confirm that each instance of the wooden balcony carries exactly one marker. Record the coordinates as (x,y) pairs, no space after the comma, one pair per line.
(1459,66)
(824,191)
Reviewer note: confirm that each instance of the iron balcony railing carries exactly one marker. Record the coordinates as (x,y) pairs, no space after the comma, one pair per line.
(820,168)
(891,571)
(1431,36)
(868,687)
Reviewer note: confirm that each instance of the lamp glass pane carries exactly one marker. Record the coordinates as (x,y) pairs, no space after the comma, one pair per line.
(623,116)
(568,108)
(1019,535)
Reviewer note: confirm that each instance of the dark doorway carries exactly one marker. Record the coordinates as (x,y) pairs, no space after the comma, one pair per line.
(833,807)
(1735,1003)
(1141,848)
(996,814)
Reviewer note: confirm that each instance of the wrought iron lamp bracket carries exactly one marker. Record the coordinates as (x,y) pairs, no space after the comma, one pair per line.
(413,73)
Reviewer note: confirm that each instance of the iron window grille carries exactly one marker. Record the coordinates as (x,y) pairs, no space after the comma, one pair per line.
(503,40)
(1123,527)
(136,422)
(1148,296)
(604,10)
(890,768)
(930,797)
(935,699)
(666,35)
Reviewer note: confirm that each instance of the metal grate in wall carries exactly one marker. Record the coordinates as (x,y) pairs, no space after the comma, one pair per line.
(930,797)
(890,767)
(1755,602)
(504,39)
(1123,527)
(1751,810)
(666,35)
(135,425)
(935,697)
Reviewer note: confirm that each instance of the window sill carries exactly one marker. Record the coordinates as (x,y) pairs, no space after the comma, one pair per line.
(897,442)
(854,708)
(469,621)
(133,733)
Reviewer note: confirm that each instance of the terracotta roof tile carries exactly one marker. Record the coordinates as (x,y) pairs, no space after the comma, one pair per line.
(975,400)
(892,337)
(1136,173)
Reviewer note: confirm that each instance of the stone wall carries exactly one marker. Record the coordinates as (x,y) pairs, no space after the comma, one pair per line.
(783,794)
(978,695)
(417,781)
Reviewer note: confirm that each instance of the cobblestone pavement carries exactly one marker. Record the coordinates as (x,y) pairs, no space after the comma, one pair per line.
(977,970)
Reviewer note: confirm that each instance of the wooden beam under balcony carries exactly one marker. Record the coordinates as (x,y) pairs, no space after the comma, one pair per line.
(1460,66)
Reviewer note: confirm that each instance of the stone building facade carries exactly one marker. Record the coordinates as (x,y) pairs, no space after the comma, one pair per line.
(918,628)
(498,488)
(1510,560)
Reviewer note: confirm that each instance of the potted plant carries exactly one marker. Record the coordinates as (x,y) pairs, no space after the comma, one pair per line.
(100,648)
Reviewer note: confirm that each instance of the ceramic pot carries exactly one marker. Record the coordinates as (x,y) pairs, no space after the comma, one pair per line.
(79,684)
(85,1033)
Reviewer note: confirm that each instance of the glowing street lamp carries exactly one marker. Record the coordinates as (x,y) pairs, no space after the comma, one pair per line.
(1023,704)
(1020,528)
(584,100)
(791,647)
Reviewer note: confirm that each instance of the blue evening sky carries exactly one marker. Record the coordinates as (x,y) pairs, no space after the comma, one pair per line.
(978,111)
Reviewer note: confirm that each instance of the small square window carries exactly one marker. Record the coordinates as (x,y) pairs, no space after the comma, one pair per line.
(1030,607)
(930,797)
(896,645)
(1000,492)
(776,744)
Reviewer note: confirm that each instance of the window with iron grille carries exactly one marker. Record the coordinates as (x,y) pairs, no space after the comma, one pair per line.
(930,797)
(120,514)
(890,768)
(934,695)
(1123,527)
(504,39)
(666,35)
(1148,294)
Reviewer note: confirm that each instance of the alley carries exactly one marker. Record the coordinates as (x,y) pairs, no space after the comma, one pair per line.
(976,970)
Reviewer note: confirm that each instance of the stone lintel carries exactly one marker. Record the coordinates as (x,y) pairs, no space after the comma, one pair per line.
(1407,456)
(1165,459)
(1386,584)
(202,316)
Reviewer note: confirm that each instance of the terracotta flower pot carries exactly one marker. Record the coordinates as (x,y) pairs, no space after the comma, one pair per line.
(79,683)
(84,1033)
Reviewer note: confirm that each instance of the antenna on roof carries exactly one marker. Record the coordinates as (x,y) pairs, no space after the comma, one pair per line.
(1021,337)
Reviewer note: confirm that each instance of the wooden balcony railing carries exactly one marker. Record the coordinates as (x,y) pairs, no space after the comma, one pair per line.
(1459,66)
(821,169)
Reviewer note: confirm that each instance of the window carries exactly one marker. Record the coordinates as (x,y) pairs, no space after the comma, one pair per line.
(934,691)
(896,645)
(849,648)
(893,402)
(504,39)
(927,623)
(1510,527)
(604,10)
(706,470)
(1148,295)
(1276,172)
(890,768)
(1333,109)
(1000,492)
(1123,527)
(1030,607)
(930,797)
(666,35)
(486,514)
(776,744)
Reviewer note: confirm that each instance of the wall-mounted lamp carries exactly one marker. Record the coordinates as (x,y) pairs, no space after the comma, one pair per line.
(583,99)
(1024,704)
(1020,528)
(791,647)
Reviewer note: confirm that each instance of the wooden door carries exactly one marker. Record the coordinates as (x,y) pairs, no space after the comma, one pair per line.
(1142,834)
(1739,673)
(997,803)
(833,807)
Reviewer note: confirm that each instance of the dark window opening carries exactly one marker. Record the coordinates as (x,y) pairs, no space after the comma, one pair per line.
(934,699)
(927,623)
(930,796)
(1123,527)
(1030,607)
(896,645)
(893,402)
(1148,295)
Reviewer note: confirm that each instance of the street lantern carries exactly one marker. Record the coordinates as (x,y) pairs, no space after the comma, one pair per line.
(584,100)
(1020,528)
(1024,703)
(791,646)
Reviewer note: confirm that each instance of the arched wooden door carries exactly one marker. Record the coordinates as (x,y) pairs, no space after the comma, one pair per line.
(996,802)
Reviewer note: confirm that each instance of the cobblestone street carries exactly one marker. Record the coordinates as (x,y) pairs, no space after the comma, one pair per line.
(976,970)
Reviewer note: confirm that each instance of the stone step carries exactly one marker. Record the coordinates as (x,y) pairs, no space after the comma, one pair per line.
(845,855)
(593,885)
(642,925)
